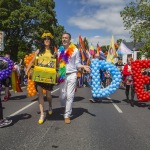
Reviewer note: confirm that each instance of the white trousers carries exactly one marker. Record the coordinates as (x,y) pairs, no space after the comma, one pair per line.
(67,91)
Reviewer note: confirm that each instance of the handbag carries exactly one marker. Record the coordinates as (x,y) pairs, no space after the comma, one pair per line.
(45,73)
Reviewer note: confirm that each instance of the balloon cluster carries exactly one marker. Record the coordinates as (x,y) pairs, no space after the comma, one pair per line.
(30,87)
(97,90)
(4,73)
(140,80)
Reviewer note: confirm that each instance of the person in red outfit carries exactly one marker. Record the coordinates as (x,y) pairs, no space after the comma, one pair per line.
(127,74)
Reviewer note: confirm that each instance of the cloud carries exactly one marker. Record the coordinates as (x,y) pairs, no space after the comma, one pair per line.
(102,17)
(96,2)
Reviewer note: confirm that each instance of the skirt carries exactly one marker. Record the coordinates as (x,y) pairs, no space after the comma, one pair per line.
(45,86)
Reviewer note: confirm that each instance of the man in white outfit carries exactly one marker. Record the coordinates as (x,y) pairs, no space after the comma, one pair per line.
(68,86)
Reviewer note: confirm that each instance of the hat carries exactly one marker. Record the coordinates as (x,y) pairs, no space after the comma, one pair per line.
(47,35)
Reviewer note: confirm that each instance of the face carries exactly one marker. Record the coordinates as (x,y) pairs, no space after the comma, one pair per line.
(46,41)
(129,61)
(7,56)
(119,60)
(66,40)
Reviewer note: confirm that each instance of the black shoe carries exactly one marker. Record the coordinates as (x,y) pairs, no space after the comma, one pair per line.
(5,122)
(132,103)
(127,98)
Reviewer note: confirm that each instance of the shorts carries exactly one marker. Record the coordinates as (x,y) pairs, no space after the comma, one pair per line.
(6,82)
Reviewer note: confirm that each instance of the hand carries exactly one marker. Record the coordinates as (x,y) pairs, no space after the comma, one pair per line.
(26,73)
(86,68)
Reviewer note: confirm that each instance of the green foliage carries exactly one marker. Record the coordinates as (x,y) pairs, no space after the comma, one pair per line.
(136,17)
(105,48)
(24,21)
(58,31)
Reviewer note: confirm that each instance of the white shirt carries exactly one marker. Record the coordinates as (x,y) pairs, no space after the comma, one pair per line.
(73,61)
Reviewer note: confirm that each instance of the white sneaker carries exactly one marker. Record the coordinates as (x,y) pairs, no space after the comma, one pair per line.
(5,122)
(108,97)
(92,100)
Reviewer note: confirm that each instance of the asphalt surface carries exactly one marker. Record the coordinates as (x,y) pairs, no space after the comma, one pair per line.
(107,125)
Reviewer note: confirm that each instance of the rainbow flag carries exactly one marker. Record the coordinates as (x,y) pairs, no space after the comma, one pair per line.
(91,50)
(15,82)
(98,48)
(81,42)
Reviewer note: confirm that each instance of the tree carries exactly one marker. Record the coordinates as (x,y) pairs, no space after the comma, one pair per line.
(58,30)
(136,18)
(24,21)
(119,41)
(105,48)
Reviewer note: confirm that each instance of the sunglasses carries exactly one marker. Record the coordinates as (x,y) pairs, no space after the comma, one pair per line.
(46,38)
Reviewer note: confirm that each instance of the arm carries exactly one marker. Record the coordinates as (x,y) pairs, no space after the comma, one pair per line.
(20,62)
(31,63)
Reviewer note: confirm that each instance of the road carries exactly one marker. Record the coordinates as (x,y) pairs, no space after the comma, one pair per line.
(109,125)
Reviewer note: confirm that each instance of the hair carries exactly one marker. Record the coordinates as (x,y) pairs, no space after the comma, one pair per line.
(67,33)
(129,58)
(7,53)
(42,46)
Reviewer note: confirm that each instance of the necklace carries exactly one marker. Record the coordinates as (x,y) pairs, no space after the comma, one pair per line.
(63,60)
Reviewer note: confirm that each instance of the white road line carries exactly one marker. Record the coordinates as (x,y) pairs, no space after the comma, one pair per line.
(17,112)
(118,109)
(20,110)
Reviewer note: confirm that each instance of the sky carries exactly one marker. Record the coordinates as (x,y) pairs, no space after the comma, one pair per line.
(97,20)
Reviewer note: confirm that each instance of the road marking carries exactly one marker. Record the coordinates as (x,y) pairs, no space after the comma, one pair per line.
(20,110)
(118,109)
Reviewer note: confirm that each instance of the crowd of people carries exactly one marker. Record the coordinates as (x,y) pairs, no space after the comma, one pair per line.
(71,74)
